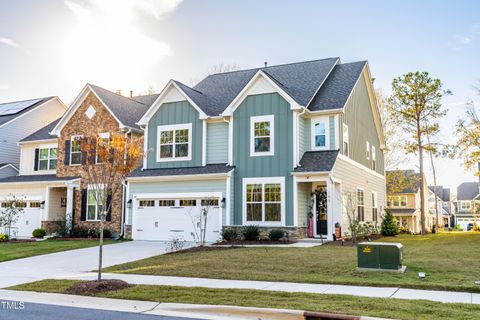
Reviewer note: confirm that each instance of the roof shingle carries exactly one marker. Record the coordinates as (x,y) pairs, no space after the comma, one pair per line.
(317,161)
(208,169)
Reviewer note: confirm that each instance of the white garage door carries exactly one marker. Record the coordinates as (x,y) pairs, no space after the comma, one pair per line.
(28,220)
(464,222)
(165,219)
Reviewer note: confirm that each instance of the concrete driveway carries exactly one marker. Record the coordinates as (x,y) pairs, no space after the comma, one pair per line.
(68,263)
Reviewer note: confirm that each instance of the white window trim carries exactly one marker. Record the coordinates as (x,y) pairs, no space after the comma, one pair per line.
(313,122)
(93,188)
(52,146)
(270,118)
(174,127)
(266,180)
(103,135)
(462,203)
(391,202)
(71,145)
(346,139)
(368,152)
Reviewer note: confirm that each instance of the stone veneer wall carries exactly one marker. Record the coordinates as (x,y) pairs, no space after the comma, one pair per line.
(80,124)
(292,233)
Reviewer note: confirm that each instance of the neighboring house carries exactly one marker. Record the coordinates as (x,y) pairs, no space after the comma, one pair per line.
(52,181)
(19,119)
(467,204)
(443,203)
(267,146)
(405,203)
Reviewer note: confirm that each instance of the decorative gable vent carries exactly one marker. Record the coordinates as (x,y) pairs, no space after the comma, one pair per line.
(90,112)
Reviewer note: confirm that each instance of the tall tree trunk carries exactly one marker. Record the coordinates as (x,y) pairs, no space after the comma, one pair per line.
(434,172)
(422,189)
(100,248)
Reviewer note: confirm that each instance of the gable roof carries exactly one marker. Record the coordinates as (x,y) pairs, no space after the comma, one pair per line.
(467,191)
(22,106)
(442,193)
(317,161)
(410,178)
(127,111)
(42,134)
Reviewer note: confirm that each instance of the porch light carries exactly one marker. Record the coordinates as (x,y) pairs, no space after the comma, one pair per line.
(42,205)
(129,204)
(223,203)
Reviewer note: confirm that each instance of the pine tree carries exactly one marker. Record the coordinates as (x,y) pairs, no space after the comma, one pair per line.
(389,224)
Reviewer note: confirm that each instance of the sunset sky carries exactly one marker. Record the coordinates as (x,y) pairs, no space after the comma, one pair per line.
(54,47)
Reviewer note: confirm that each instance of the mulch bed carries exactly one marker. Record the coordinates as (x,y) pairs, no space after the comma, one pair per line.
(259,242)
(202,249)
(18,241)
(349,243)
(88,288)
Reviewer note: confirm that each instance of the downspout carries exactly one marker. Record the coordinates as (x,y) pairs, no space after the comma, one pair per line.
(230,161)
(332,184)
(122,220)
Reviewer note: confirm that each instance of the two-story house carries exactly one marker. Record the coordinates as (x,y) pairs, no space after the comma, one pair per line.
(269,146)
(405,200)
(52,181)
(19,119)
(441,203)
(467,205)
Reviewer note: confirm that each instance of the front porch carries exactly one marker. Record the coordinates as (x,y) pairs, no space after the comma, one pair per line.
(58,206)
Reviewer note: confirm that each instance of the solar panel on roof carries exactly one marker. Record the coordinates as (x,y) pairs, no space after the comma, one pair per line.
(16,107)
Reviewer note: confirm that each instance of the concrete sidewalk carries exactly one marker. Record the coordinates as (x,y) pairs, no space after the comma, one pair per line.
(211,312)
(362,291)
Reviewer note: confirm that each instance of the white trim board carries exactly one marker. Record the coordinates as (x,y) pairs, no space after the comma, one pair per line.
(9,165)
(266,118)
(210,176)
(194,195)
(174,127)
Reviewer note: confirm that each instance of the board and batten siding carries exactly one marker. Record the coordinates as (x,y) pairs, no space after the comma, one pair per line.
(214,185)
(172,113)
(217,142)
(23,126)
(278,165)
(359,118)
(7,171)
(353,176)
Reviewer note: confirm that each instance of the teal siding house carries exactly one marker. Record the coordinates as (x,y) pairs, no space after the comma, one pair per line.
(279,147)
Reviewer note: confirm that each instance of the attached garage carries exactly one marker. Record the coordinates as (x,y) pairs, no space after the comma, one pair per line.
(28,220)
(177,216)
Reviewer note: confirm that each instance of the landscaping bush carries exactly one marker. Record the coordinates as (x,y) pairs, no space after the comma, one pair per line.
(251,233)
(107,233)
(276,234)
(389,224)
(3,237)
(39,233)
(80,232)
(476,227)
(229,234)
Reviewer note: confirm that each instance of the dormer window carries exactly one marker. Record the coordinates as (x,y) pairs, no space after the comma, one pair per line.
(174,142)
(262,136)
(320,134)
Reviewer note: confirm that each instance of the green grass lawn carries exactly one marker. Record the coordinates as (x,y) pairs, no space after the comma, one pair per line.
(374,307)
(16,250)
(450,260)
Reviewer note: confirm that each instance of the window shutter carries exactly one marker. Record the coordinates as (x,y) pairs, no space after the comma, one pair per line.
(109,202)
(35,165)
(83,210)
(66,160)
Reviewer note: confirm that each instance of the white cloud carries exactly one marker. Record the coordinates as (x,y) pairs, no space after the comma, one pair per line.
(4,86)
(464,39)
(8,42)
(106,43)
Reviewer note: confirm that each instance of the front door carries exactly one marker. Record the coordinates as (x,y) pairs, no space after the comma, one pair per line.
(321,210)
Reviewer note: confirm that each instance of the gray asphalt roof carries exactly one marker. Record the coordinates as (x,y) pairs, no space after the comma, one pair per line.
(208,169)
(127,110)
(412,180)
(317,161)
(42,134)
(467,191)
(442,193)
(35,102)
(404,211)
(300,80)
(335,91)
(36,178)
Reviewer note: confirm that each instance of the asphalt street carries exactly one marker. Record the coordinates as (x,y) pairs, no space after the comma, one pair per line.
(14,310)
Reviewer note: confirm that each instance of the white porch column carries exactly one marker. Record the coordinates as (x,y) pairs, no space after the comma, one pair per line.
(330,208)
(69,212)
(46,204)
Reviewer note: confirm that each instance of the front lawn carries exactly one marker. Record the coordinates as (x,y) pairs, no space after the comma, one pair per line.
(17,250)
(374,307)
(450,260)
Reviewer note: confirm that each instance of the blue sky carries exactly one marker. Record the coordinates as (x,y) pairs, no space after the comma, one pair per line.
(54,47)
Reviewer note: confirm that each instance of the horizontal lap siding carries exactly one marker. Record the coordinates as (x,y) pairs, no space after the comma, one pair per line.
(217,142)
(217,185)
(304,197)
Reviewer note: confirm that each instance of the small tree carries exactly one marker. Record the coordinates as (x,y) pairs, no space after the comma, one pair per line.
(389,225)
(9,214)
(199,222)
(416,100)
(350,208)
(109,160)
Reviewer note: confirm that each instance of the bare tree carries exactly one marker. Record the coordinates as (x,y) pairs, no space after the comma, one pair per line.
(12,208)
(350,208)
(221,67)
(200,222)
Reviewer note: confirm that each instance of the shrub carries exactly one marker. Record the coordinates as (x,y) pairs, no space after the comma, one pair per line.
(107,233)
(251,233)
(229,234)
(476,227)
(3,237)
(80,232)
(276,234)
(389,224)
(39,233)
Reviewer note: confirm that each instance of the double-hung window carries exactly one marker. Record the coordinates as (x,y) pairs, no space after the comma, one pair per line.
(361,204)
(320,133)
(102,147)
(174,142)
(374,206)
(374,158)
(47,159)
(397,201)
(264,200)
(262,133)
(345,140)
(94,205)
(465,205)
(76,150)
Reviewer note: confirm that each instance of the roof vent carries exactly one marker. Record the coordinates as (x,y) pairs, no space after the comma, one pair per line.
(131,93)
(266,64)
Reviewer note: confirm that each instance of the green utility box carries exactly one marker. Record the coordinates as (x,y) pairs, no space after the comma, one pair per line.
(380,256)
